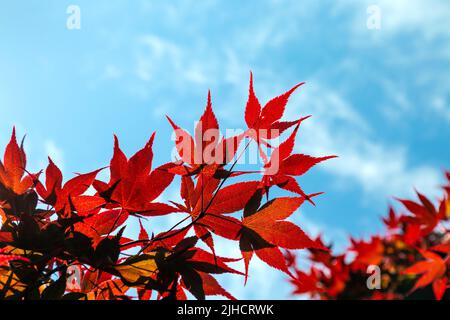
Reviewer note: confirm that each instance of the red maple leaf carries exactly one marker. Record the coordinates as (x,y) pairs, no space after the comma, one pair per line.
(12,168)
(283,166)
(190,267)
(367,252)
(133,185)
(208,147)
(70,196)
(424,214)
(306,282)
(392,222)
(101,223)
(431,271)
(207,205)
(264,122)
(265,231)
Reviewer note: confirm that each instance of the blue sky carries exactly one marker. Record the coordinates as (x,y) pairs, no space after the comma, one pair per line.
(379,98)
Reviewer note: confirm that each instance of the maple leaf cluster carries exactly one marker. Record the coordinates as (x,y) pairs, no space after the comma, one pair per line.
(67,239)
(413,257)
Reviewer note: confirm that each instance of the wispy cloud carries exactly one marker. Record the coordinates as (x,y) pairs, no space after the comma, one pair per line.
(381,169)
(54,152)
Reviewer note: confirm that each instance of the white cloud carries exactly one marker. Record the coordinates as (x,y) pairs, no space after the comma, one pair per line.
(415,40)
(55,153)
(112,72)
(158,57)
(429,18)
(155,54)
(379,168)
(439,104)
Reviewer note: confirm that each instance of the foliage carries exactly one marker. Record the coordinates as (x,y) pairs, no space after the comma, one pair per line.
(66,240)
(412,257)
